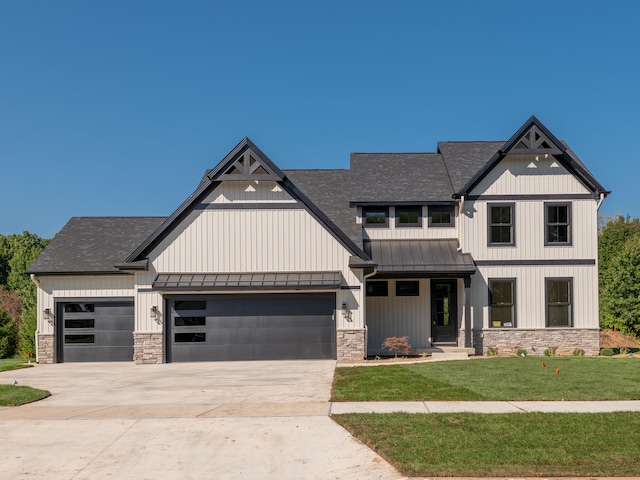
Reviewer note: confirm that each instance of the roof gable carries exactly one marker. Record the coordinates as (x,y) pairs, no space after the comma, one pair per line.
(533,138)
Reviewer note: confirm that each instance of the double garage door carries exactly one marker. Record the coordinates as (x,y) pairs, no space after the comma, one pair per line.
(95,331)
(252,327)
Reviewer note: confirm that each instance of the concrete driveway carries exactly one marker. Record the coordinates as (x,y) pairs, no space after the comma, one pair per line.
(221,420)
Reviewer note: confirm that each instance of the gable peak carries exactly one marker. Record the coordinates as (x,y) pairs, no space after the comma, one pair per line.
(246,162)
(533,138)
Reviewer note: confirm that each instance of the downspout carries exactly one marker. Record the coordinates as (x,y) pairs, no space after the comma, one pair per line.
(364,299)
(37,284)
(600,202)
(460,223)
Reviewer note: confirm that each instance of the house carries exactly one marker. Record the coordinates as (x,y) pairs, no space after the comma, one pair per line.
(478,245)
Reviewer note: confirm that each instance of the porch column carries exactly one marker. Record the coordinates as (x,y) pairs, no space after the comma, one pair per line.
(467,312)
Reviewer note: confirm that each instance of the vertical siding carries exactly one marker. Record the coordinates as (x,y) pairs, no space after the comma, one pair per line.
(531,295)
(58,287)
(526,175)
(529,232)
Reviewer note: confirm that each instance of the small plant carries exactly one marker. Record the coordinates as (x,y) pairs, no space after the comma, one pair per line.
(521,352)
(606,352)
(397,345)
(550,352)
(624,351)
(578,352)
(492,351)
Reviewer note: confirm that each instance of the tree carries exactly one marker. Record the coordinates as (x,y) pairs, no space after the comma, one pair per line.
(619,253)
(8,335)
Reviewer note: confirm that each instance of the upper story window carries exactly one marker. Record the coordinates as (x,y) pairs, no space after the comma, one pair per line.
(375,216)
(557,219)
(559,302)
(501,224)
(441,216)
(409,216)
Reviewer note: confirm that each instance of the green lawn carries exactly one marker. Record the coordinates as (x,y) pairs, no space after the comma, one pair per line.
(509,378)
(519,444)
(13,395)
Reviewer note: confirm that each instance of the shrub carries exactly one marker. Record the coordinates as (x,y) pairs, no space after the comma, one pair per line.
(397,345)
(624,351)
(492,351)
(606,352)
(8,335)
(27,332)
(521,352)
(578,352)
(550,352)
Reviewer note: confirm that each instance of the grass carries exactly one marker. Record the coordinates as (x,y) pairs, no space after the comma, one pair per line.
(510,378)
(14,395)
(532,444)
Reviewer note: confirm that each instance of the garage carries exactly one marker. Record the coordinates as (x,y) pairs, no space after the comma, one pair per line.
(95,331)
(274,326)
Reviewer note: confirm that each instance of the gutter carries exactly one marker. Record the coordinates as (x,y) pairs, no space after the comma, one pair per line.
(364,320)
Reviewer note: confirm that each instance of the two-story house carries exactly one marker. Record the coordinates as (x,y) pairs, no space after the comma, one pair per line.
(479,245)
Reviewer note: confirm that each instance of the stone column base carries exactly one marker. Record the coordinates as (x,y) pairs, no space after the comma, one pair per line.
(147,348)
(536,341)
(46,353)
(351,345)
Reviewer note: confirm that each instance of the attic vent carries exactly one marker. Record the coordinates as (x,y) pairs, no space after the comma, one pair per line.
(534,141)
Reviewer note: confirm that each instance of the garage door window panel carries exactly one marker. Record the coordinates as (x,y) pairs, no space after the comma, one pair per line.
(79,323)
(76,339)
(190,337)
(79,308)
(190,321)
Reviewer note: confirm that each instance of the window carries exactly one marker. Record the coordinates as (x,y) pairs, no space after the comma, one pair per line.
(375,216)
(409,216)
(71,339)
(502,302)
(501,222)
(407,289)
(190,337)
(79,323)
(190,321)
(559,300)
(377,289)
(557,224)
(191,304)
(441,216)
(79,307)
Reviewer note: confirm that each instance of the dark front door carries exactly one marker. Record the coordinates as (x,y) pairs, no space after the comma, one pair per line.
(444,315)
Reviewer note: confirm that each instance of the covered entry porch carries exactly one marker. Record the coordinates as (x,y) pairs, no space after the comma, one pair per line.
(421,290)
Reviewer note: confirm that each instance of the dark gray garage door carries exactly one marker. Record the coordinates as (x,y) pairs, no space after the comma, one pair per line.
(252,327)
(95,331)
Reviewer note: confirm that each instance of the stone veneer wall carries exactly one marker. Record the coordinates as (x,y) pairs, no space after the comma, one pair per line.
(351,345)
(536,341)
(147,348)
(45,348)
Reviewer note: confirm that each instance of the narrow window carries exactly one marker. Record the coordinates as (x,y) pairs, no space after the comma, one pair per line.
(190,321)
(191,304)
(79,308)
(501,224)
(375,216)
(441,216)
(559,302)
(79,323)
(190,337)
(407,289)
(408,216)
(72,339)
(557,224)
(502,302)
(377,289)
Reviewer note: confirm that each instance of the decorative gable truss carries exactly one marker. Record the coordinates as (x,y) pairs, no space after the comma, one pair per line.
(534,142)
(248,165)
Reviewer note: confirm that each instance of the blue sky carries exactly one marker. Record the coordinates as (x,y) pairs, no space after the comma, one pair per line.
(118,107)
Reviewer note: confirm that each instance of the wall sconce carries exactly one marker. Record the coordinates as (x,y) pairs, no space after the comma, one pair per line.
(154,312)
(346,313)
(48,315)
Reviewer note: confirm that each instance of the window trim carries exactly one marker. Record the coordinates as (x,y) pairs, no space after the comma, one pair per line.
(512,281)
(410,208)
(408,294)
(442,208)
(512,206)
(569,242)
(375,209)
(547,282)
(373,294)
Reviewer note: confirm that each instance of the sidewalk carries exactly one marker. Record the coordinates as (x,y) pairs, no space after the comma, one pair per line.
(338,408)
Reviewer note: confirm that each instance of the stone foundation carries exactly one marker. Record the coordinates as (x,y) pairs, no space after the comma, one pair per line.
(147,348)
(351,345)
(536,341)
(45,351)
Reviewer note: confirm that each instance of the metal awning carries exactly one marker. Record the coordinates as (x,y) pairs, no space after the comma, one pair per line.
(420,258)
(248,281)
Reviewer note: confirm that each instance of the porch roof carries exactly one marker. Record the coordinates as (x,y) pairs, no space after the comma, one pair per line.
(321,280)
(420,258)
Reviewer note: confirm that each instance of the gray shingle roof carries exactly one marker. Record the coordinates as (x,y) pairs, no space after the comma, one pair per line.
(94,244)
(465,159)
(329,191)
(399,177)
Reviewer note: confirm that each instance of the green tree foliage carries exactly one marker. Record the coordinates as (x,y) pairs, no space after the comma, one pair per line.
(8,335)
(17,252)
(619,258)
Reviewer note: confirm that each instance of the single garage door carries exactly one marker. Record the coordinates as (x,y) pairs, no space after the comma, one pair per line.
(252,327)
(95,331)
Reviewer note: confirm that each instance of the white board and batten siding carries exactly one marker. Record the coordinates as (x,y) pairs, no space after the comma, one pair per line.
(61,287)
(252,240)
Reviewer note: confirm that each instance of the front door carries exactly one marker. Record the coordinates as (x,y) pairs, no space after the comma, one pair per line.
(444,315)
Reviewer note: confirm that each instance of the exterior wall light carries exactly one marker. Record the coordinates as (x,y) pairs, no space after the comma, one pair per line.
(48,315)
(154,312)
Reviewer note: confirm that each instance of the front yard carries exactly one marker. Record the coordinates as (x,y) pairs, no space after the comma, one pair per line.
(13,395)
